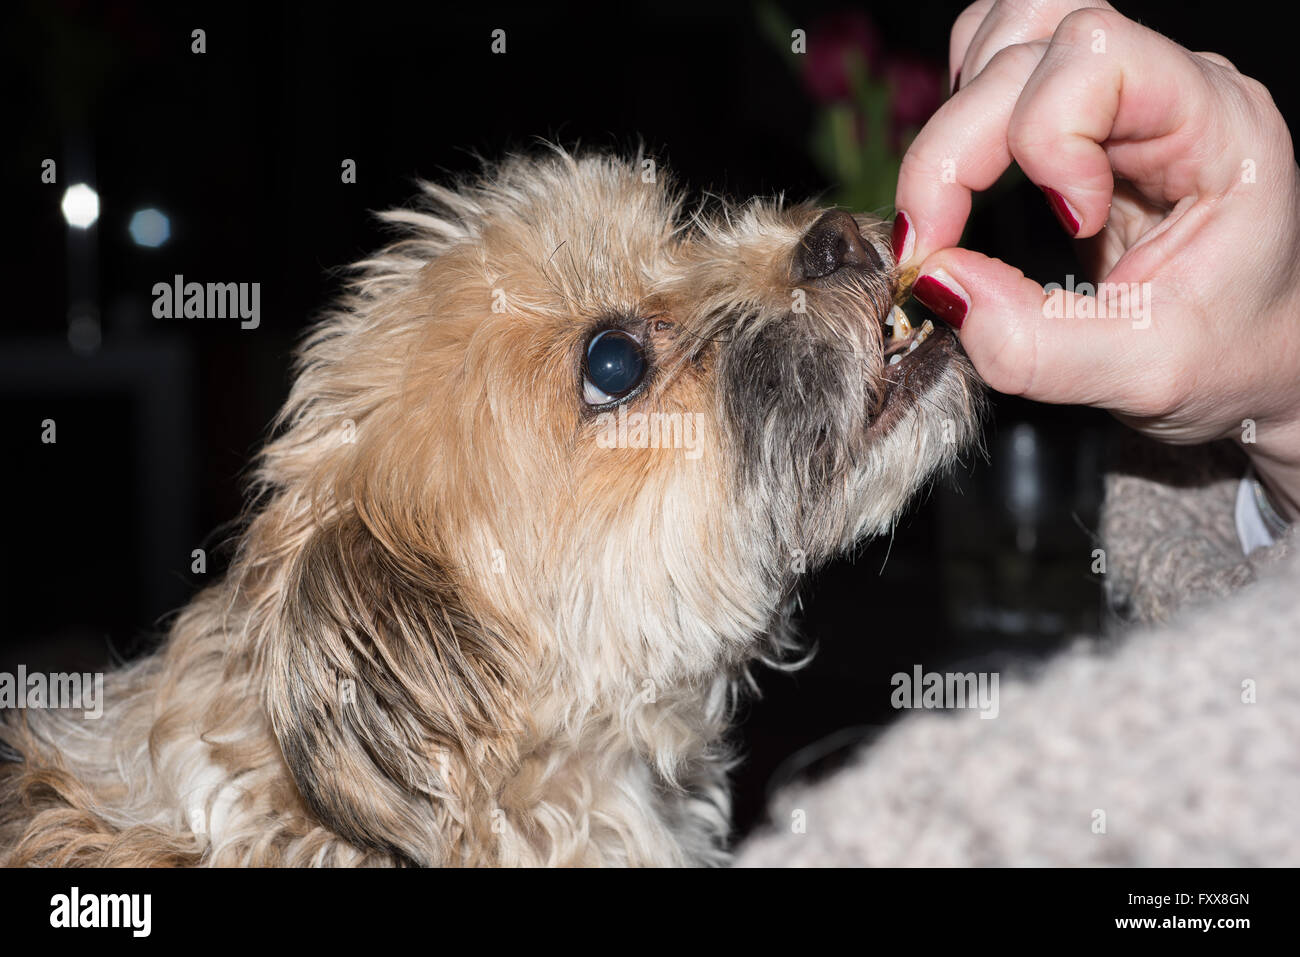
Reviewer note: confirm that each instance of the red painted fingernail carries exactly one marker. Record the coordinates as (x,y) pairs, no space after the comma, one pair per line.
(943,297)
(902,232)
(1068,217)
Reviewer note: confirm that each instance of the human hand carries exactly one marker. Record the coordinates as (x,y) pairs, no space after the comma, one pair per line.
(1178,175)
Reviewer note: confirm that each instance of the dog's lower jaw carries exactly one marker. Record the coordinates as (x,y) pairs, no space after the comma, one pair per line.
(918,442)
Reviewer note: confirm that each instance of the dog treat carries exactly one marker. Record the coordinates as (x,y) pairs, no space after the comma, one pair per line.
(906,280)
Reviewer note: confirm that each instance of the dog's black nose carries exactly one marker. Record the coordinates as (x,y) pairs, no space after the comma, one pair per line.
(832,243)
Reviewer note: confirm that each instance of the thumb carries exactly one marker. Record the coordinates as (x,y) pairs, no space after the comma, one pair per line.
(1051,346)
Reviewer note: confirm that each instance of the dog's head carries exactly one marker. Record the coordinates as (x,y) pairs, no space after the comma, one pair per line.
(564,436)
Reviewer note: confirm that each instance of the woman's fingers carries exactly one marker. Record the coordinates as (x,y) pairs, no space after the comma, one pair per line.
(1052,347)
(1103,96)
(1006,24)
(961,149)
(1111,97)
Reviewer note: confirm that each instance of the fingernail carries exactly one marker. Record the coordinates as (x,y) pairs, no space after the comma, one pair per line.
(903,239)
(956,83)
(943,297)
(1063,210)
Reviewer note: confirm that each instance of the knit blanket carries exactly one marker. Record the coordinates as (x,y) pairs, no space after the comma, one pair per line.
(1174,743)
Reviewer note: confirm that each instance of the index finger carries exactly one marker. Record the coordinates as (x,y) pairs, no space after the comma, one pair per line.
(963,148)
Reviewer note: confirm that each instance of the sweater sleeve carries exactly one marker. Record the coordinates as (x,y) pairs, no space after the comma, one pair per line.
(1172,748)
(1169,529)
(1173,745)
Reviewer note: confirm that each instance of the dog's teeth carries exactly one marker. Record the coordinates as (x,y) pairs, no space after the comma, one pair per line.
(902,327)
(912,348)
(895,359)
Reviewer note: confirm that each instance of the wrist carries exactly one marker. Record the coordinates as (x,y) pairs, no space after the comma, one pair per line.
(1274,445)
(1280,479)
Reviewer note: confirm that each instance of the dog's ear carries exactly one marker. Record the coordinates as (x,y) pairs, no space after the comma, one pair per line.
(392,702)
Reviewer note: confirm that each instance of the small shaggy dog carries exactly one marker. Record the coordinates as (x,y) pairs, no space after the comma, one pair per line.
(542,491)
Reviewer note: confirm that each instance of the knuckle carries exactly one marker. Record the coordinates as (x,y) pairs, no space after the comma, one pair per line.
(1219,60)
(1009,363)
(1017,60)
(973,15)
(1165,388)
(1257,117)
(1257,95)
(1078,26)
(1024,134)
(1035,124)
(916,163)
(923,166)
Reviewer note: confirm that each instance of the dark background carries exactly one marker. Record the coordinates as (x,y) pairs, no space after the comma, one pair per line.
(241,147)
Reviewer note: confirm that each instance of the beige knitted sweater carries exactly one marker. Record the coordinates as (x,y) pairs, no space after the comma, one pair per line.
(1177,743)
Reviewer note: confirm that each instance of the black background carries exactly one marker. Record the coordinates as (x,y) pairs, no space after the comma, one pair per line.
(337,908)
(242,147)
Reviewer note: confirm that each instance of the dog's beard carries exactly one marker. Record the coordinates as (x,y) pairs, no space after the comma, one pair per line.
(833,445)
(831,439)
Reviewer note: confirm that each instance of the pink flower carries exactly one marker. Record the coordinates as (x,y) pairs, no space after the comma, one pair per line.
(832,42)
(916,90)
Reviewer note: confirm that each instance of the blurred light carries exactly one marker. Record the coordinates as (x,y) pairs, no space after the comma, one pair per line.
(1026,490)
(84,333)
(80,206)
(150,227)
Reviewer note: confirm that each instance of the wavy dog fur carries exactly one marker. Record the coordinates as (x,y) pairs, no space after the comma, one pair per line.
(458,631)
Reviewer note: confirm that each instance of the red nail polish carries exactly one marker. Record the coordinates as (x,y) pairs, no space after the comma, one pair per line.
(940,300)
(899,237)
(1062,210)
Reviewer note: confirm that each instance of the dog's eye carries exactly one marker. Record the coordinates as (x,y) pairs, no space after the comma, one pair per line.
(615,366)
